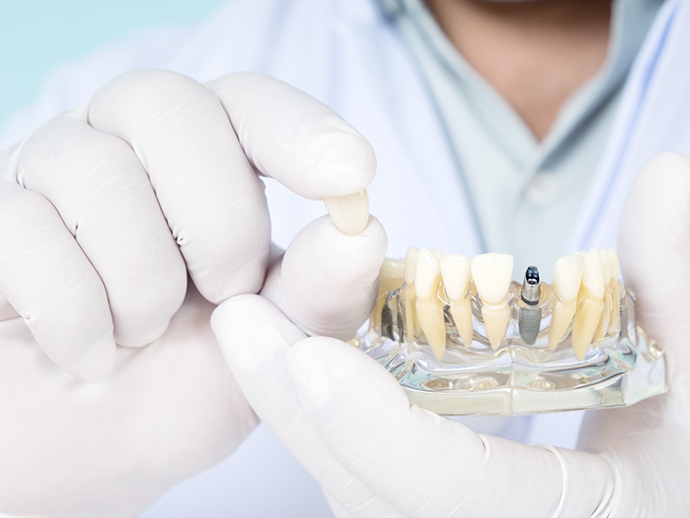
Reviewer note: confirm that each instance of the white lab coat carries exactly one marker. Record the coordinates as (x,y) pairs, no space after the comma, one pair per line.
(347,54)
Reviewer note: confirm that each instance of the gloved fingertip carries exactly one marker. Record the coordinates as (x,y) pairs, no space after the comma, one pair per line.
(350,213)
(143,339)
(98,360)
(224,316)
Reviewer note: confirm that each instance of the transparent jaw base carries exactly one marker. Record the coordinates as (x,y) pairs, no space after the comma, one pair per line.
(619,369)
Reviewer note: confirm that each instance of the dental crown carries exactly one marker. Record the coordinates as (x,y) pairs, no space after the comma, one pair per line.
(462,338)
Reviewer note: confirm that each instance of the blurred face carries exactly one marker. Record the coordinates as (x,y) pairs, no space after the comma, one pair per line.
(535,53)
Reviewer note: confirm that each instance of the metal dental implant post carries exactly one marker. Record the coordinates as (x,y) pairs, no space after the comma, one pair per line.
(529,317)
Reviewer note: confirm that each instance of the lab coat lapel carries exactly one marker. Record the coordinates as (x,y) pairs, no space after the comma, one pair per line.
(653,117)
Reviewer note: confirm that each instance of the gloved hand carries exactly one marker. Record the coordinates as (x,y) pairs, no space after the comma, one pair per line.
(349,423)
(104,212)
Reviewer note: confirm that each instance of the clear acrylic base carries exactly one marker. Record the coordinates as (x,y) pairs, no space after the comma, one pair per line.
(515,378)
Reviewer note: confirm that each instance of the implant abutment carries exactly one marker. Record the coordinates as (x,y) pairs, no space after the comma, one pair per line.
(529,315)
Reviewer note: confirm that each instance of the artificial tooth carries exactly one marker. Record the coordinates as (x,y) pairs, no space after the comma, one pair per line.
(410,295)
(391,277)
(391,274)
(438,253)
(429,306)
(615,264)
(605,266)
(567,277)
(593,274)
(603,327)
(615,291)
(350,213)
(590,303)
(492,274)
(410,268)
(605,319)
(456,273)
(427,274)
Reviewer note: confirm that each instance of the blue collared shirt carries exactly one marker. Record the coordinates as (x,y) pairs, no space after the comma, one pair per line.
(525,193)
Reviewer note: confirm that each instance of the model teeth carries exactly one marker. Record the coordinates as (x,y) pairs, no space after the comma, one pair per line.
(567,277)
(410,268)
(590,304)
(597,311)
(456,273)
(427,275)
(586,287)
(615,290)
(391,277)
(491,274)
(429,306)
(603,327)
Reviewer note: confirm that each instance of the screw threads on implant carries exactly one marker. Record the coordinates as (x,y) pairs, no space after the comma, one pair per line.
(529,316)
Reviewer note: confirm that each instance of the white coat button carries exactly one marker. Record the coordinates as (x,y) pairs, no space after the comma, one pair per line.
(542,190)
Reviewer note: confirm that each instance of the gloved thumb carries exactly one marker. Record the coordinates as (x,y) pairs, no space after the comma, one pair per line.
(327,281)
(654,245)
(649,439)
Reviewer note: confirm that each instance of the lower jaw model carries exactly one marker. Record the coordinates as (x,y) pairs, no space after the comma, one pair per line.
(463,339)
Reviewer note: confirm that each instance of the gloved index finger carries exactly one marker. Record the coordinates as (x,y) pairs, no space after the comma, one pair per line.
(255,337)
(209,193)
(302,143)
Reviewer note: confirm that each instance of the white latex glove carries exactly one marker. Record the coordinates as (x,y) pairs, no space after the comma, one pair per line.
(103,213)
(349,422)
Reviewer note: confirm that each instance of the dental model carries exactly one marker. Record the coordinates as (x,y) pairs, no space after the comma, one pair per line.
(462,338)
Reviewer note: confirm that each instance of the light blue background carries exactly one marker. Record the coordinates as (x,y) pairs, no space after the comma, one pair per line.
(38,35)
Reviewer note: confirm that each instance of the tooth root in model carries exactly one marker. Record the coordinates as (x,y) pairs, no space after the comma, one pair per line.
(492,274)
(410,295)
(391,276)
(529,316)
(615,291)
(603,327)
(590,304)
(456,274)
(429,306)
(566,280)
